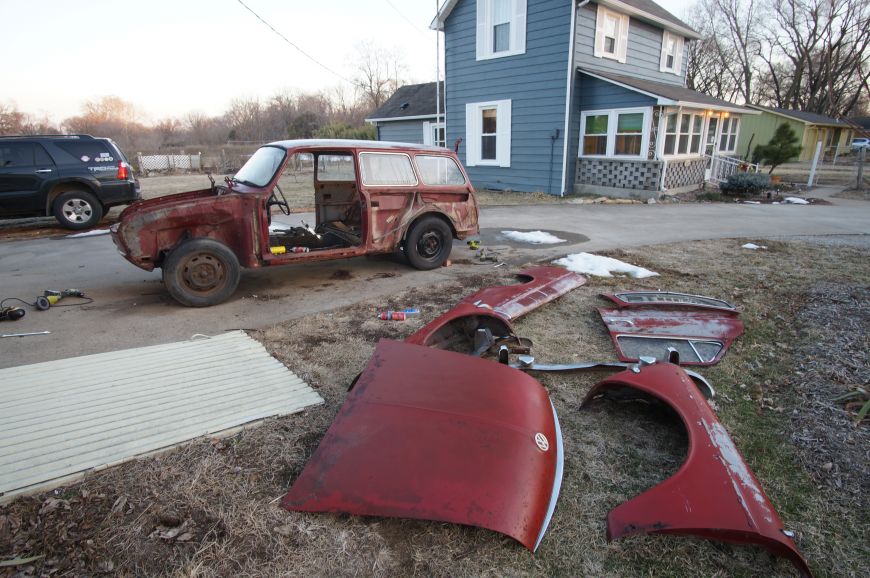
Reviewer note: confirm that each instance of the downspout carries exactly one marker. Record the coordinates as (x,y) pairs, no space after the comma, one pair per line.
(569,92)
(438,79)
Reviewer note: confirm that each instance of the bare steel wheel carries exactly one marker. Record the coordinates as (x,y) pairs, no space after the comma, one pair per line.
(428,243)
(201,272)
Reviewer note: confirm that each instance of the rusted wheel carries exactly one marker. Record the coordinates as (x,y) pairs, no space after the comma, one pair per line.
(428,243)
(201,272)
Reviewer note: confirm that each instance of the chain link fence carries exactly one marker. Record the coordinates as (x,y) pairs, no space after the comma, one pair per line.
(224,159)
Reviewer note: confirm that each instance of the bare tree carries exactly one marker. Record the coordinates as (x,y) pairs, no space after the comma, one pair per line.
(818,56)
(378,73)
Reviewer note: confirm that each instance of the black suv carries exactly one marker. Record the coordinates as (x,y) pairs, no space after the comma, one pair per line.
(76,178)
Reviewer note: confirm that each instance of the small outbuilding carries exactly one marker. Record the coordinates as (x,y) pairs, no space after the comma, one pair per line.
(810,128)
(411,115)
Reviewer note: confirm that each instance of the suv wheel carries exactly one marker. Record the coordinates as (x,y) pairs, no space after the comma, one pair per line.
(428,243)
(77,210)
(201,272)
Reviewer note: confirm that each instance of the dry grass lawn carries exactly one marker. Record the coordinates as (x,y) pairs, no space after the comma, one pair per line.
(211,507)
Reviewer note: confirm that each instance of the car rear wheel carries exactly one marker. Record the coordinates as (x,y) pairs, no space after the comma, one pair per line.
(77,210)
(201,272)
(428,243)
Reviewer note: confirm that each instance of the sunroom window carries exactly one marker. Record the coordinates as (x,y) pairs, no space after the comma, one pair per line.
(683,132)
(614,133)
(728,139)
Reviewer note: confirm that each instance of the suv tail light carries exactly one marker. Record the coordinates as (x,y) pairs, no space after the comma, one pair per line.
(123,171)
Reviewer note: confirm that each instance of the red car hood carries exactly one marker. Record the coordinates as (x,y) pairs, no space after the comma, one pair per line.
(435,435)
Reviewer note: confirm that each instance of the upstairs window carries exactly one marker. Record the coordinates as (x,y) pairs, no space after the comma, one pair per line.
(501,28)
(672,53)
(611,34)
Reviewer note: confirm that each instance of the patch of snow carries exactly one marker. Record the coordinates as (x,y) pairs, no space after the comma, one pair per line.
(795,201)
(750,202)
(534,237)
(602,266)
(92,233)
(752,246)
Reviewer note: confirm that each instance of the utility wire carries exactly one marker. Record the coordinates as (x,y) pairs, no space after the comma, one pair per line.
(408,20)
(305,54)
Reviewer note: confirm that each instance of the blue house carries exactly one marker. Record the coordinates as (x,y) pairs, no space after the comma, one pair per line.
(576,96)
(411,115)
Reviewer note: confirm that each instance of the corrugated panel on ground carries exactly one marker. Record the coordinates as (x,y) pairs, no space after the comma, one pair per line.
(64,417)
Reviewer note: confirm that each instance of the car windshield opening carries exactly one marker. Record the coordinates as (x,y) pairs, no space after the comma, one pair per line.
(261,167)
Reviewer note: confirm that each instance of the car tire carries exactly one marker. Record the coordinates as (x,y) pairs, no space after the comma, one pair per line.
(201,272)
(77,209)
(428,243)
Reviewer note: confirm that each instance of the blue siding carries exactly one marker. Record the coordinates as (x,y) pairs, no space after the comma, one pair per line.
(642,58)
(594,93)
(534,82)
(410,131)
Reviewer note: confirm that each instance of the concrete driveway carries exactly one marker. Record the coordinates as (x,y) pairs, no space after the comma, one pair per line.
(132,309)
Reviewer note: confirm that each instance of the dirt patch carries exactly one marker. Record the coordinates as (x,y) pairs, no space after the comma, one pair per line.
(210,508)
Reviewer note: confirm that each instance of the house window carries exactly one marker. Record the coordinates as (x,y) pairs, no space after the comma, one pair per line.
(615,133)
(433,134)
(611,34)
(728,139)
(488,133)
(683,132)
(501,28)
(672,53)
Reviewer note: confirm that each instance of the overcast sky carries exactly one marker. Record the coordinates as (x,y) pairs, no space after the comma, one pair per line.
(171,57)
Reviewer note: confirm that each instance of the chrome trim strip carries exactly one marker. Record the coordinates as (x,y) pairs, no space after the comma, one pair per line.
(557,480)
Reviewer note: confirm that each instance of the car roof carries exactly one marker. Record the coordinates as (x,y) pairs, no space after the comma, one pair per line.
(50,137)
(357,144)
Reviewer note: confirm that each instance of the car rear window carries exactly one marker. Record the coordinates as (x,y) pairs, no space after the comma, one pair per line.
(386,169)
(439,170)
(88,152)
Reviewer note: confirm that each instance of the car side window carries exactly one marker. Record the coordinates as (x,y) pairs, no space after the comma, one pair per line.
(41,157)
(87,152)
(436,170)
(386,169)
(17,154)
(335,168)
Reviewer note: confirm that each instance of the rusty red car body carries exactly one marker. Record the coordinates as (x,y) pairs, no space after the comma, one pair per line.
(714,494)
(237,217)
(495,307)
(436,435)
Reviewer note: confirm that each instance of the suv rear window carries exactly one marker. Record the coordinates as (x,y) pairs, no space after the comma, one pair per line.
(439,170)
(88,152)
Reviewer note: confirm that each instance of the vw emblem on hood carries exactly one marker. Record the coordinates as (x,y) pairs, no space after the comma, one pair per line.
(541,441)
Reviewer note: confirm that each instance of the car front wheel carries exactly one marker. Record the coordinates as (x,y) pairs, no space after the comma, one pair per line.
(77,210)
(201,272)
(428,243)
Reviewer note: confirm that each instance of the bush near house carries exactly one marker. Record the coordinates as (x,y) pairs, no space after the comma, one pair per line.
(745,184)
(783,147)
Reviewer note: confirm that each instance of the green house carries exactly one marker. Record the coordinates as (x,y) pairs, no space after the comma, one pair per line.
(810,128)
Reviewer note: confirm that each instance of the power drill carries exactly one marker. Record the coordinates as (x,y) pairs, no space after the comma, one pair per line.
(11,313)
(50,297)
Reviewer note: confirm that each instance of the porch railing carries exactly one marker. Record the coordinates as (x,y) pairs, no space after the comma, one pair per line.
(719,168)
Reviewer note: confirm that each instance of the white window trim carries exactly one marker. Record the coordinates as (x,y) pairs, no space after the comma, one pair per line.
(474,131)
(621,35)
(678,53)
(429,129)
(611,131)
(662,132)
(485,24)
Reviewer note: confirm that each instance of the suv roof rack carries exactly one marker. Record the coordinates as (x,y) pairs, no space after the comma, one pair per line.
(58,136)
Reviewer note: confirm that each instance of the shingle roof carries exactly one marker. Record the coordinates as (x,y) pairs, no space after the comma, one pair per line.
(806,117)
(672,92)
(654,9)
(411,100)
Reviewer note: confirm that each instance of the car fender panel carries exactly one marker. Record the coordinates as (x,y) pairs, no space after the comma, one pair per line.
(435,435)
(714,494)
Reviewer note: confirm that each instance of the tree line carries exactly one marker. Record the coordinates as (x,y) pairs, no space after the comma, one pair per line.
(339,112)
(806,55)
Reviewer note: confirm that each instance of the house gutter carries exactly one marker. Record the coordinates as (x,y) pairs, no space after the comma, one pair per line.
(569,92)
